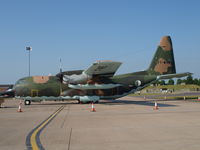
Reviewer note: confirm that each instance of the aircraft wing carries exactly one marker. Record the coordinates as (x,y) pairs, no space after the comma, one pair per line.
(169,76)
(103,68)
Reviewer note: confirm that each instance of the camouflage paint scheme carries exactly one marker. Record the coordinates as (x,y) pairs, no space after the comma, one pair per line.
(58,87)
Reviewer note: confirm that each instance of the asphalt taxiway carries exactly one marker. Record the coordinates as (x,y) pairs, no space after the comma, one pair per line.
(128,123)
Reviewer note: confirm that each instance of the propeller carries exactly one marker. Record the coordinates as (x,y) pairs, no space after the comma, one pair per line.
(60,74)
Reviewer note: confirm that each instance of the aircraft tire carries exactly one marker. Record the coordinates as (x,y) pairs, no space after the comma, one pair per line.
(27,102)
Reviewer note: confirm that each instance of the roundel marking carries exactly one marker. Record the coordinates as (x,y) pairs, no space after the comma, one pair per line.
(138,82)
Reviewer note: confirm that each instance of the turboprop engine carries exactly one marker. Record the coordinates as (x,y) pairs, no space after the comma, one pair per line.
(76,79)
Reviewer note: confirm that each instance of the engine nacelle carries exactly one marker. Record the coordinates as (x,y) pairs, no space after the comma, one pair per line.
(76,79)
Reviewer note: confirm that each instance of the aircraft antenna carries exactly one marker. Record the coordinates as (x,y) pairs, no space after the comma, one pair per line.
(60,65)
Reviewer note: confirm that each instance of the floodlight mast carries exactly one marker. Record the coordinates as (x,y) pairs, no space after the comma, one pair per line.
(29,49)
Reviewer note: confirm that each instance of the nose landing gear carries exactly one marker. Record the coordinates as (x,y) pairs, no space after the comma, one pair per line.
(27,102)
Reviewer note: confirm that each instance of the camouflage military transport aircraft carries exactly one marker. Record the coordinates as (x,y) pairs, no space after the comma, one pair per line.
(98,81)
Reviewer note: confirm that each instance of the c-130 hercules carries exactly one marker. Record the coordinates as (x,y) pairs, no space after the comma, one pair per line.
(98,81)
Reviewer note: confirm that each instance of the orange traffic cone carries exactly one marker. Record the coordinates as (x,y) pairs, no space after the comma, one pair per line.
(156,106)
(20,107)
(93,108)
(1,103)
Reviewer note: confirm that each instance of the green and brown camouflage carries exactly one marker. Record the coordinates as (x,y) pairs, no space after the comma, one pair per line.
(98,81)
(38,86)
(163,60)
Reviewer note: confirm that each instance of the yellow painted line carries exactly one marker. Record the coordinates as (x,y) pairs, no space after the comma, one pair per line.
(34,134)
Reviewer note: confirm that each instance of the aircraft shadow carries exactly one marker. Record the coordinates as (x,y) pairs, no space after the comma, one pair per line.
(128,102)
(108,102)
(6,107)
(57,103)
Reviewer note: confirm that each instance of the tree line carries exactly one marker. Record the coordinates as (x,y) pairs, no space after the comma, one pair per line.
(188,80)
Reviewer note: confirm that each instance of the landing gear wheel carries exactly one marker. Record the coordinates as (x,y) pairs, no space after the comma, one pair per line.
(96,102)
(27,102)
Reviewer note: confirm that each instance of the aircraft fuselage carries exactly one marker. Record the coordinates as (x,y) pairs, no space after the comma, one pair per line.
(50,86)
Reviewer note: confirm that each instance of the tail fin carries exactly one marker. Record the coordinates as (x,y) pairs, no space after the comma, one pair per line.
(163,60)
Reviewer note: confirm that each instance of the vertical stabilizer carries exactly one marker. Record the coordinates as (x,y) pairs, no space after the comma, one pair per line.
(163,60)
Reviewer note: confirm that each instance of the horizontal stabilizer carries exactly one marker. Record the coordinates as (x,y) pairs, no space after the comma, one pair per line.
(169,76)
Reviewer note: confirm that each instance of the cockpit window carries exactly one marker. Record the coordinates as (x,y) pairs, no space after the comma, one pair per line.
(21,81)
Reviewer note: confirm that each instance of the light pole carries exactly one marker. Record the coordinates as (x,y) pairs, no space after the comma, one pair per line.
(29,59)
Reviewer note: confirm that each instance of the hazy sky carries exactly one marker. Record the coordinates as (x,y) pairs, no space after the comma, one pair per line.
(83,31)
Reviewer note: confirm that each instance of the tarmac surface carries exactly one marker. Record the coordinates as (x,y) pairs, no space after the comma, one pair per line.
(125,124)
